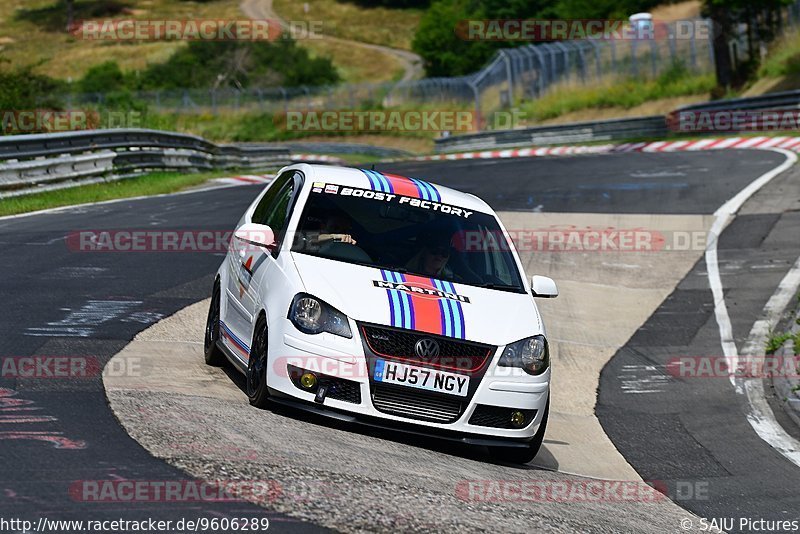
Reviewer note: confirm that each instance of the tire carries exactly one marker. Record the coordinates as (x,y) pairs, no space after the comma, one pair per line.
(212,352)
(519,455)
(257,390)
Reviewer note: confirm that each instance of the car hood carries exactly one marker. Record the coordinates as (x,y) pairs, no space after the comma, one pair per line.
(378,296)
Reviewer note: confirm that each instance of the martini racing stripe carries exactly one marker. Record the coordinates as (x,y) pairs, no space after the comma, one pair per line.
(401,310)
(377,182)
(452,309)
(424,312)
(238,344)
(400,185)
(427,312)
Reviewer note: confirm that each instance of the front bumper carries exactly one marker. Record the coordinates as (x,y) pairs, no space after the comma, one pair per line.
(347,359)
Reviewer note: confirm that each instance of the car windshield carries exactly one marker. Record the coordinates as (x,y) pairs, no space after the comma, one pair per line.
(407,235)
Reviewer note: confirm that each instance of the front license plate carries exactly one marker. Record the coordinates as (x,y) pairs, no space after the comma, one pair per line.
(421,378)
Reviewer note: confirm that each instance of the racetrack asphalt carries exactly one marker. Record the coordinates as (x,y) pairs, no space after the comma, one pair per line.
(61,302)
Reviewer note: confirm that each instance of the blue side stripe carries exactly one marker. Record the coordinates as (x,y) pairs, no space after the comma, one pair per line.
(386,181)
(432,191)
(392,312)
(397,303)
(373,180)
(458,313)
(380,185)
(383,183)
(444,318)
(233,337)
(444,305)
(410,319)
(370,178)
(421,188)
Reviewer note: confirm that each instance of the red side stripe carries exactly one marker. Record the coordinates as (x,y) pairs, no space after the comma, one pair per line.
(403,186)
(427,316)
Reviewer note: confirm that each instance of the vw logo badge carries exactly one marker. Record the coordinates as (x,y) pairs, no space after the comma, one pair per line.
(427,348)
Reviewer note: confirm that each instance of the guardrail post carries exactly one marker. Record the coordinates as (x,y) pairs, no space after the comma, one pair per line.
(542,73)
(673,46)
(653,58)
(477,96)
(508,75)
(613,55)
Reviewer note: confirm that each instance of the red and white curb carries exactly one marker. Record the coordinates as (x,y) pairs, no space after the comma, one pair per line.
(246,179)
(785,142)
(522,153)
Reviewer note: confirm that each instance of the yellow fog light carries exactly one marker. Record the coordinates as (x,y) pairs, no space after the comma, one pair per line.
(308,380)
(517,419)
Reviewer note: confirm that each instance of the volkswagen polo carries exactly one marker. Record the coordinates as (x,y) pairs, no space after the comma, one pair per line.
(388,301)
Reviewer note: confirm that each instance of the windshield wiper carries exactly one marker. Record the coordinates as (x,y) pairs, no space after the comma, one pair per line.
(500,287)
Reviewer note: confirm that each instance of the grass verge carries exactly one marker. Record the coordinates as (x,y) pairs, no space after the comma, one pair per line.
(626,94)
(357,21)
(784,57)
(148,184)
(33,32)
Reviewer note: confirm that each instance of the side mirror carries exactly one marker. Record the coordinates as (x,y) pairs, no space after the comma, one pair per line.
(544,287)
(259,235)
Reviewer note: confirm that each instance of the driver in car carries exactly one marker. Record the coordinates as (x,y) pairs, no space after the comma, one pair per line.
(432,258)
(337,228)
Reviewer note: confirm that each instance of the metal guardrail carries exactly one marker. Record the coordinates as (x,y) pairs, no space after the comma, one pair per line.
(770,101)
(28,162)
(615,129)
(324,147)
(579,132)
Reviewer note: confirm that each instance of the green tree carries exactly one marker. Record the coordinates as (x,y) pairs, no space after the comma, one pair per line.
(102,78)
(726,15)
(443,52)
(446,54)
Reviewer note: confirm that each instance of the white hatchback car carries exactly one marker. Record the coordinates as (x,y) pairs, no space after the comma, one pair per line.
(388,301)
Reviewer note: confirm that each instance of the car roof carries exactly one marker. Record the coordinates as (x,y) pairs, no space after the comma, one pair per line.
(401,185)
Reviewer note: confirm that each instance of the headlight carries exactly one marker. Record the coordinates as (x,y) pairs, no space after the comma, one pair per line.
(530,354)
(313,316)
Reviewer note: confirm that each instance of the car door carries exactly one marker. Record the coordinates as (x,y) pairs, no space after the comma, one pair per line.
(249,264)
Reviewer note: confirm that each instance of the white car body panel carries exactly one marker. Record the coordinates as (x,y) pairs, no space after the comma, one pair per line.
(253,282)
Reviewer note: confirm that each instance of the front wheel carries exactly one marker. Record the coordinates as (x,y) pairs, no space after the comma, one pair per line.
(523,455)
(257,367)
(212,353)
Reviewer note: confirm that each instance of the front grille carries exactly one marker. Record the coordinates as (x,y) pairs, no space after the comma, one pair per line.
(453,354)
(338,388)
(344,390)
(497,417)
(415,404)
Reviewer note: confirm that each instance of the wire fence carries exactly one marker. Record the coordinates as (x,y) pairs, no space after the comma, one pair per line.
(511,76)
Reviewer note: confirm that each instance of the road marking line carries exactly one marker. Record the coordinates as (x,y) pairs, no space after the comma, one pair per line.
(760,416)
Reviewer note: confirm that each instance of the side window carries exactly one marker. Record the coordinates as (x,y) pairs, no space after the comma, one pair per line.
(262,211)
(273,210)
